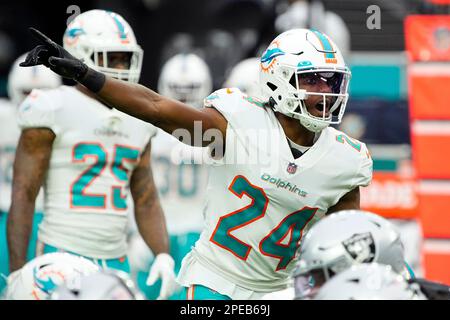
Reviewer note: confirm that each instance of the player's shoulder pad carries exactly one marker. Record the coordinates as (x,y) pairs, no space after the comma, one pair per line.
(5,104)
(38,109)
(6,108)
(237,107)
(229,95)
(356,154)
(344,141)
(153,131)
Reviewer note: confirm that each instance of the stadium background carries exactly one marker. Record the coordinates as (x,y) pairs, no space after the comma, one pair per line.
(399,88)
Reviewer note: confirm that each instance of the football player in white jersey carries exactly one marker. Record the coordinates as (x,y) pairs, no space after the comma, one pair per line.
(180,178)
(300,168)
(89,158)
(20,82)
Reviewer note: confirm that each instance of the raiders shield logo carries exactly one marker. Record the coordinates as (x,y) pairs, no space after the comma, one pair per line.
(361,247)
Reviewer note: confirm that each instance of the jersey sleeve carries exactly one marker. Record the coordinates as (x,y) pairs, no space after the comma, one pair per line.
(38,111)
(226,102)
(364,174)
(243,116)
(152,131)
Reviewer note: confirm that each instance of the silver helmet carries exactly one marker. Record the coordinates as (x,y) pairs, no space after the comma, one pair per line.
(186,78)
(341,240)
(106,284)
(369,282)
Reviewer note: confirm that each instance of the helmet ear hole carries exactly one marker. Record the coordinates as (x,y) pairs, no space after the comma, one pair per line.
(292,81)
(272,86)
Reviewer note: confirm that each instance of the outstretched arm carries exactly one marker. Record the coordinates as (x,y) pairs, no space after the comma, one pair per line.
(165,113)
(30,166)
(133,99)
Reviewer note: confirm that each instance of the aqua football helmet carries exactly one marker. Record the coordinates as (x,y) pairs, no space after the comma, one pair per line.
(95,36)
(186,78)
(37,279)
(296,56)
(341,240)
(22,80)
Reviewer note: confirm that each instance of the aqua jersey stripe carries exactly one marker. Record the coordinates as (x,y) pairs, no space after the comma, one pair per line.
(326,44)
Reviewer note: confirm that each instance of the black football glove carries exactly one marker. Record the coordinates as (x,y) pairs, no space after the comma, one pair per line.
(55,57)
(432,290)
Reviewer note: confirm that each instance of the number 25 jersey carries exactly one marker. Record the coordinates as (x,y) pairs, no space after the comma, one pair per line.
(87,184)
(260,200)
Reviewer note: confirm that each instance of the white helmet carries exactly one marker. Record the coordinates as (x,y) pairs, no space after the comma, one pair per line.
(22,80)
(37,279)
(344,239)
(105,284)
(245,76)
(185,77)
(96,34)
(297,54)
(369,282)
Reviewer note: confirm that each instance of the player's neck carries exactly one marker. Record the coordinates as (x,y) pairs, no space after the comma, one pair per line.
(295,131)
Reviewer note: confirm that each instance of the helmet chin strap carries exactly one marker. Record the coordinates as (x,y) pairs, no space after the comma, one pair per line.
(311,126)
(305,121)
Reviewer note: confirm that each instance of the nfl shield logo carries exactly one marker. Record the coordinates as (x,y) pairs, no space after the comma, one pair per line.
(291,168)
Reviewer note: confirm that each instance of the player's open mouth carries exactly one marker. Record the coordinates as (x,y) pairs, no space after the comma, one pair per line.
(320,106)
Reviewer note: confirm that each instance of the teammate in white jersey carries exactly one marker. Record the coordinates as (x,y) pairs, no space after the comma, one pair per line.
(283,167)
(89,157)
(179,175)
(20,82)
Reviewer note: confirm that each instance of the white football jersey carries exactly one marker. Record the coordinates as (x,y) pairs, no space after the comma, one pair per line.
(260,200)
(286,294)
(181,179)
(87,183)
(9,137)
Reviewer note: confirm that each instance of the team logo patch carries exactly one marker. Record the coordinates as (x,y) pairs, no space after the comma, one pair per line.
(291,168)
(361,247)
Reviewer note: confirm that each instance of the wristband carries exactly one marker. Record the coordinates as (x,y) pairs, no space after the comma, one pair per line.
(93,80)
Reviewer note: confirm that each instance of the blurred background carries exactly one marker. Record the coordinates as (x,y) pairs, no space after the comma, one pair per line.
(399,54)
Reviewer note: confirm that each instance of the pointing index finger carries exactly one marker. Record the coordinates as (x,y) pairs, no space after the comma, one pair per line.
(42,37)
